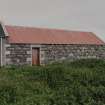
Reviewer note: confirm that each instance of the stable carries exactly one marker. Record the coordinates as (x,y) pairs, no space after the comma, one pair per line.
(39,46)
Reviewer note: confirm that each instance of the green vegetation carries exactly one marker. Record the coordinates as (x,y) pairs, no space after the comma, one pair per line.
(77,83)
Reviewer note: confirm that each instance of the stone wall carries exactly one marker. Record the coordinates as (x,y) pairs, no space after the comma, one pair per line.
(18,54)
(52,53)
(21,54)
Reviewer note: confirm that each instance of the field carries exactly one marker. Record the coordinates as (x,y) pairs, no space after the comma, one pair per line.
(69,83)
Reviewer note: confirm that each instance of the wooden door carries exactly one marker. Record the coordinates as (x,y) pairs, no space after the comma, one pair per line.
(35,56)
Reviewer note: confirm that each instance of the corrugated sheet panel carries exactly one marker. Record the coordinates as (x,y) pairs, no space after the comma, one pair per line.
(19,34)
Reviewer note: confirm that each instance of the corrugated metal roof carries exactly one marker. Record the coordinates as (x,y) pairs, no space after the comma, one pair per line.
(19,34)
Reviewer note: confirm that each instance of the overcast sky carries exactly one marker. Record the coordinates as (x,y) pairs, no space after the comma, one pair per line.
(85,15)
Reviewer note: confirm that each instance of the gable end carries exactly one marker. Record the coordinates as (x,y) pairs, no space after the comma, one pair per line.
(2,33)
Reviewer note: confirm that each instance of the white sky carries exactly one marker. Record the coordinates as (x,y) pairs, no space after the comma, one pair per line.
(85,15)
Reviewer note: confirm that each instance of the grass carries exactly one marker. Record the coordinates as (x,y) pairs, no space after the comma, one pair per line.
(80,82)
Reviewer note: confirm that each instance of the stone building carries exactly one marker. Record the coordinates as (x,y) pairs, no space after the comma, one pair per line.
(33,46)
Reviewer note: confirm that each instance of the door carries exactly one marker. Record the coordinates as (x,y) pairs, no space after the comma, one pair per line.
(35,56)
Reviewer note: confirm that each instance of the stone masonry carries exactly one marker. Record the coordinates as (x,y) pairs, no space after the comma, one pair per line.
(18,54)
(21,54)
(59,53)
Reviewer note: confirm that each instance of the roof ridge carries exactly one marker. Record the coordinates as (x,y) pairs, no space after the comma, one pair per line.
(46,28)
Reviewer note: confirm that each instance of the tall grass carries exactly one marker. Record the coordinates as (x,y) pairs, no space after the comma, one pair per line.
(80,82)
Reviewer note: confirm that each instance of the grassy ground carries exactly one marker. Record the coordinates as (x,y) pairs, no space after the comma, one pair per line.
(77,83)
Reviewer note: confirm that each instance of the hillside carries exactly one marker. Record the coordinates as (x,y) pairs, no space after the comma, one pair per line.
(70,83)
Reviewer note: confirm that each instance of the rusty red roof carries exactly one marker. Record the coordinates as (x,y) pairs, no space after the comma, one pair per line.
(19,34)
